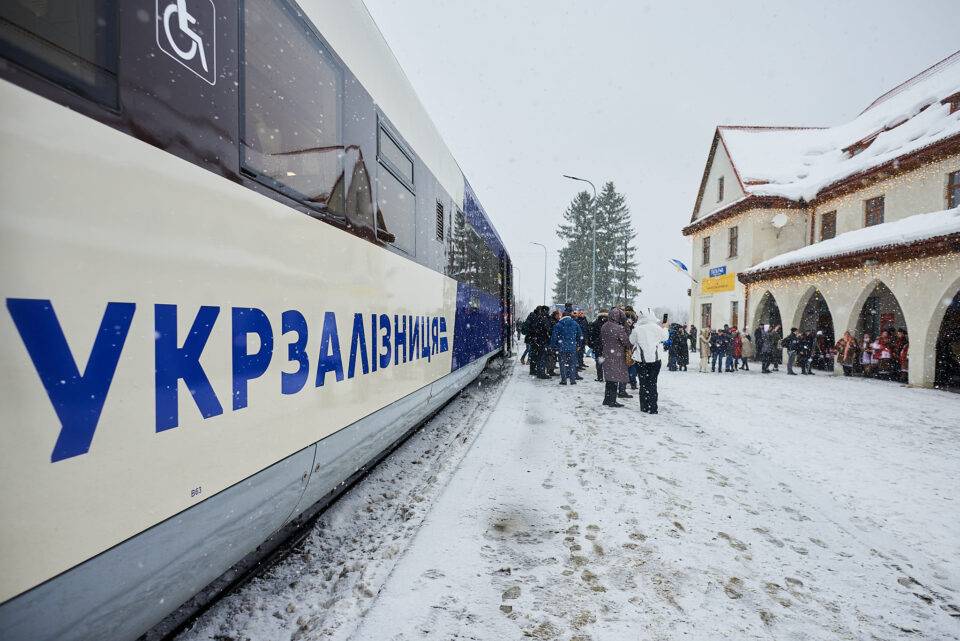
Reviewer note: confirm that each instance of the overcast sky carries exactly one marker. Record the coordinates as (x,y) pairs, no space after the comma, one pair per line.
(631,91)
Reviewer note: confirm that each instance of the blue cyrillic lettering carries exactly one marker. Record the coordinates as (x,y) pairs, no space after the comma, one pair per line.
(330,359)
(444,344)
(293,321)
(77,399)
(374,343)
(399,339)
(173,363)
(385,354)
(358,346)
(414,337)
(246,367)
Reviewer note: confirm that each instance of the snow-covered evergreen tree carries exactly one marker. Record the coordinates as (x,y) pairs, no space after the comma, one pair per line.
(572,282)
(616,252)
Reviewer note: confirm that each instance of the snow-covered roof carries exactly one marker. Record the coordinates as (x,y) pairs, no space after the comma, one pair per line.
(899,232)
(800,162)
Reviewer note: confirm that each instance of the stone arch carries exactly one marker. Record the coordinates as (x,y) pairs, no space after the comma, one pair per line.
(942,363)
(767,311)
(877,309)
(813,314)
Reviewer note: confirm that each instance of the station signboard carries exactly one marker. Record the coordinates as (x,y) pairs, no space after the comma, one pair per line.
(718,284)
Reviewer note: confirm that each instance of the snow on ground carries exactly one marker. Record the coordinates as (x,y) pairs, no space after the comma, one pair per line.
(751,507)
(324,587)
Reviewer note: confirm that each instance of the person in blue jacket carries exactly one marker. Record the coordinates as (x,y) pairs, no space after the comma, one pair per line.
(565,340)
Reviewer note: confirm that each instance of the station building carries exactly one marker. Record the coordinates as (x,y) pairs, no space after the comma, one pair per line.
(854,227)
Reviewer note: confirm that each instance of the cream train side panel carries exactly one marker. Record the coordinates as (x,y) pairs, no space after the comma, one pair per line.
(91,216)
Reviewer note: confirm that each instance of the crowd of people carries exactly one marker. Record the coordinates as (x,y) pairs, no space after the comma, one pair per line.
(629,347)
(729,349)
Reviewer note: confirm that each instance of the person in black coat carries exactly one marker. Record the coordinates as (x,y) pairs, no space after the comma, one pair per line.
(595,342)
(683,352)
(550,355)
(538,331)
(805,346)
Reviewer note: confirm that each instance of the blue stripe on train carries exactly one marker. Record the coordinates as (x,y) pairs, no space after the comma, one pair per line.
(477,325)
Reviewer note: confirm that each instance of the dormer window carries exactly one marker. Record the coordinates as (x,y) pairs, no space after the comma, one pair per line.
(720,189)
(953,101)
(860,145)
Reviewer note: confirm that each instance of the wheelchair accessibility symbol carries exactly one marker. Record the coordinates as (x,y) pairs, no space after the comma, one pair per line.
(187,32)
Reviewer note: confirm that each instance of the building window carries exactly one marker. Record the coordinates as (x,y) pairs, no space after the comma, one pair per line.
(706,314)
(70,42)
(291,138)
(706,250)
(953,101)
(873,211)
(828,225)
(732,242)
(720,189)
(735,313)
(953,190)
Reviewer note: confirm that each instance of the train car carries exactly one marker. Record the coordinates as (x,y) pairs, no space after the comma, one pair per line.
(238,263)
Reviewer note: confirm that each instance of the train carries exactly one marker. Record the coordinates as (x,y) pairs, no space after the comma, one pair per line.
(238,265)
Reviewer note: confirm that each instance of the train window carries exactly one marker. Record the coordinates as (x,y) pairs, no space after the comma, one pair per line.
(292,91)
(396,213)
(394,157)
(471,259)
(70,42)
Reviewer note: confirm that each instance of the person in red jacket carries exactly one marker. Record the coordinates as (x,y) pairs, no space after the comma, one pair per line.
(737,348)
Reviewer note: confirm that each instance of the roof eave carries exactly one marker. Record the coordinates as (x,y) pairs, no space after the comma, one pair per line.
(891,253)
(749,202)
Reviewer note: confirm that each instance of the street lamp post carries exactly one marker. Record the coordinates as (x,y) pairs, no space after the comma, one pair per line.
(544,247)
(593,257)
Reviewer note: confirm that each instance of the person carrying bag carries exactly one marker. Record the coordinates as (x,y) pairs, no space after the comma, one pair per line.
(648,339)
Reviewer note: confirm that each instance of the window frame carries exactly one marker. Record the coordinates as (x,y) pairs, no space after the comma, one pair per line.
(384,127)
(106,97)
(832,216)
(953,189)
(720,189)
(705,250)
(866,210)
(297,16)
(733,241)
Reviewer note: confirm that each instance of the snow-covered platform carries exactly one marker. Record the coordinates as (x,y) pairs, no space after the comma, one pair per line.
(751,507)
